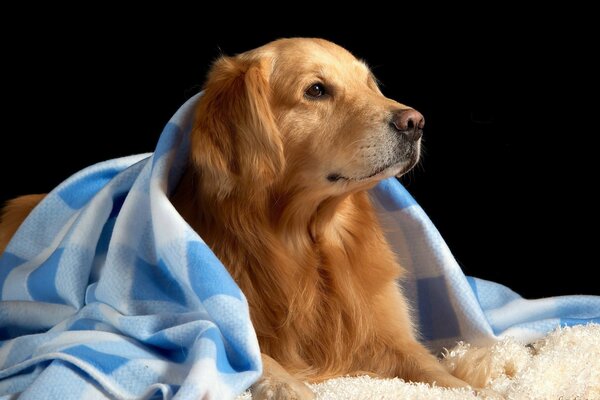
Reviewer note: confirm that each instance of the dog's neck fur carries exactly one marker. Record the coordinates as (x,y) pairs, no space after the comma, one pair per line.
(286,215)
(282,262)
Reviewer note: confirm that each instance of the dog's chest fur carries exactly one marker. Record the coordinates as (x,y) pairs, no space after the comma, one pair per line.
(314,289)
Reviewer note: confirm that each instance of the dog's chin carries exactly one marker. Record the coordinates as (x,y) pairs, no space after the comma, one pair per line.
(411,160)
(376,173)
(400,168)
(406,167)
(396,169)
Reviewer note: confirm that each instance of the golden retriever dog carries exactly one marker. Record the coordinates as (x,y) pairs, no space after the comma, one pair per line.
(287,140)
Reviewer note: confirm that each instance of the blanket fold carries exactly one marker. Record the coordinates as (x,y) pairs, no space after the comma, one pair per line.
(106,292)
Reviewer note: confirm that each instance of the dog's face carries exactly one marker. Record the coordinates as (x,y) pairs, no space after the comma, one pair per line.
(306,112)
(337,126)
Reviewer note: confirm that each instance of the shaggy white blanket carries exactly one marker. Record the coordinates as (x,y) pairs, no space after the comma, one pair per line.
(564,365)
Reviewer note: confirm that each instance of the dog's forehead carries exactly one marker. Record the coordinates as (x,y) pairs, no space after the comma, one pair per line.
(313,56)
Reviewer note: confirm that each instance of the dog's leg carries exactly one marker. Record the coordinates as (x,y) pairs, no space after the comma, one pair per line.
(277,383)
(13,215)
(415,363)
(398,352)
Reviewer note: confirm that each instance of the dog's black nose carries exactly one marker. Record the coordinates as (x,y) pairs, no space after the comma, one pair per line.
(409,122)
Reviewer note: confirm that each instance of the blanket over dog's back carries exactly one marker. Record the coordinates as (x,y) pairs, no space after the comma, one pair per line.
(107,292)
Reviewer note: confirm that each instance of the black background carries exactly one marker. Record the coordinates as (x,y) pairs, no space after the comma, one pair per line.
(509,173)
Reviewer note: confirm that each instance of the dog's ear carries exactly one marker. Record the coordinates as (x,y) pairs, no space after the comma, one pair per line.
(236,144)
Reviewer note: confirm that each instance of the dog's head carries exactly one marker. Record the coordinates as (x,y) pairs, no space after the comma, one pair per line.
(301,111)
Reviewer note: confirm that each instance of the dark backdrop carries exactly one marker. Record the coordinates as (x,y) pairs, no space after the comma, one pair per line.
(509,171)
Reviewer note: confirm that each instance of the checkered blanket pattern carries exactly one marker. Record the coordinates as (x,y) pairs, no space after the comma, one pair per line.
(106,292)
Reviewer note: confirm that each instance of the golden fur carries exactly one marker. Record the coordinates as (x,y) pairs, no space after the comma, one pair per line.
(14,213)
(276,186)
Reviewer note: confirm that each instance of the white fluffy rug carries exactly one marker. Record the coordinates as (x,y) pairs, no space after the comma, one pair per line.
(564,365)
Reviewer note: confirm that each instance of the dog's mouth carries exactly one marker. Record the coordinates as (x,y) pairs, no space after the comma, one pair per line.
(382,171)
(395,168)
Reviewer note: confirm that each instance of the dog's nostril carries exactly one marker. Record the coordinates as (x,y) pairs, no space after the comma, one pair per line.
(409,122)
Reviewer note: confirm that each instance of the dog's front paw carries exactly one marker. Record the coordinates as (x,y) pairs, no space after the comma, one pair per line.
(285,389)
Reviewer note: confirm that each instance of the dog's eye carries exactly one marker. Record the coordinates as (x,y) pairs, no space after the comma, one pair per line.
(316,90)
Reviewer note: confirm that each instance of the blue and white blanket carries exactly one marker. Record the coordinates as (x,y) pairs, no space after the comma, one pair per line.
(106,292)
